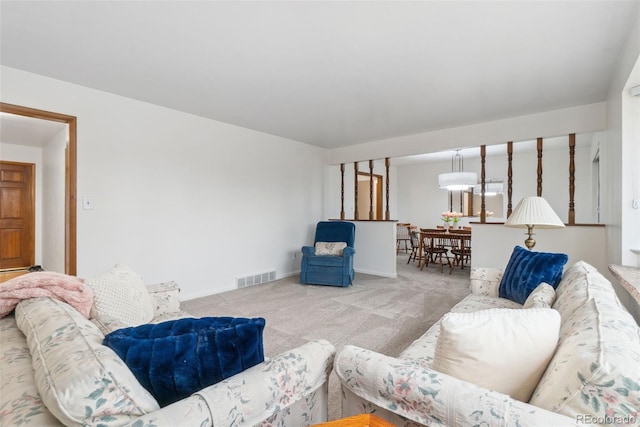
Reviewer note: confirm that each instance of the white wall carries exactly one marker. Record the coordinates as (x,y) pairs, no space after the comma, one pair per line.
(26,154)
(619,155)
(578,242)
(630,171)
(420,201)
(53,202)
(582,119)
(375,246)
(180,197)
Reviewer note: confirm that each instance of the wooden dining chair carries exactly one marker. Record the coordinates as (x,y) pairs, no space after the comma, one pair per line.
(414,235)
(461,251)
(402,236)
(435,247)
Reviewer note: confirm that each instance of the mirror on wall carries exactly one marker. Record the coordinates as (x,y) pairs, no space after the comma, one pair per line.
(469,202)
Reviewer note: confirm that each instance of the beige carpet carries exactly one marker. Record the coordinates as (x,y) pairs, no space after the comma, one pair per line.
(377,313)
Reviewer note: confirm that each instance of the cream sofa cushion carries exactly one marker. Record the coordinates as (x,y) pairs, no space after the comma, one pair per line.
(20,404)
(107,324)
(596,368)
(330,248)
(542,296)
(80,380)
(121,293)
(505,350)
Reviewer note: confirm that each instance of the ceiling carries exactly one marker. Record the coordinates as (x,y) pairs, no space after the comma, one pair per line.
(328,73)
(21,130)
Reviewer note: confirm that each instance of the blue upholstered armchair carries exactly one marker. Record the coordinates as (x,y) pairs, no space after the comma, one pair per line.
(334,270)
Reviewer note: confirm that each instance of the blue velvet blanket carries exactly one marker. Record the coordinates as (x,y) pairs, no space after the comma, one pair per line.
(174,359)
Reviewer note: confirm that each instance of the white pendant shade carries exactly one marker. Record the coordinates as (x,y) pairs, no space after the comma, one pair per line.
(534,211)
(455,181)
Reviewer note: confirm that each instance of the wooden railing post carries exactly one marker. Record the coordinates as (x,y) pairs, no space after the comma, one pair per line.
(572,178)
(371,215)
(509,177)
(539,146)
(341,190)
(483,206)
(355,190)
(387,212)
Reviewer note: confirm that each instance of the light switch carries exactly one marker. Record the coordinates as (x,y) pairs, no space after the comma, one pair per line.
(87,203)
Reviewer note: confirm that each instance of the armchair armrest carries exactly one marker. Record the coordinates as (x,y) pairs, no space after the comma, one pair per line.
(189,412)
(485,281)
(165,297)
(348,251)
(405,388)
(292,384)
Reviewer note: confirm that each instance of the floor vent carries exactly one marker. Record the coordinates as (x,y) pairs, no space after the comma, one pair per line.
(256,279)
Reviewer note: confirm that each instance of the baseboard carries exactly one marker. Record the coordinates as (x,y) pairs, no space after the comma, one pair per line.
(289,274)
(205,294)
(232,288)
(376,273)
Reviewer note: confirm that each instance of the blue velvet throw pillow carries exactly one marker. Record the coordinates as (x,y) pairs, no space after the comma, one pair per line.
(527,269)
(174,359)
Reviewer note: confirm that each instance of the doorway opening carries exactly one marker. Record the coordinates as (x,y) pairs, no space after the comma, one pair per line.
(70,192)
(369,196)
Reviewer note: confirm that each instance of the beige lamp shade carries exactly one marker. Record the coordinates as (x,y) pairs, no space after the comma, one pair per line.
(533,212)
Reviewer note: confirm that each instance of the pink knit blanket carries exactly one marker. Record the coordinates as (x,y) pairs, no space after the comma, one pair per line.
(69,289)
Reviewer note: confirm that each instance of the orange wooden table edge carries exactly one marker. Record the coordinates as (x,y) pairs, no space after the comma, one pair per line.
(362,420)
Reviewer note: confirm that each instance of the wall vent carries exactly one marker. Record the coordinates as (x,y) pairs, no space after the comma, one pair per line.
(255,279)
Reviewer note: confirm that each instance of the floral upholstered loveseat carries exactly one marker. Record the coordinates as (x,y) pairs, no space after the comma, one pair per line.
(592,378)
(87,384)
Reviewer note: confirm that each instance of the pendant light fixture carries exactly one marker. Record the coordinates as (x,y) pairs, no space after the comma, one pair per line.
(457,179)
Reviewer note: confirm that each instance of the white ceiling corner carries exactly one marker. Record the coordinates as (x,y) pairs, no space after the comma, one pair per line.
(328,73)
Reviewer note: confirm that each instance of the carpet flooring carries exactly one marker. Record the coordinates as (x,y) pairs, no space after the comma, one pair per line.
(378,313)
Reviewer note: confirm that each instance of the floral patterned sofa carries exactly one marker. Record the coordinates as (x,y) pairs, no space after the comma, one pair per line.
(288,389)
(593,377)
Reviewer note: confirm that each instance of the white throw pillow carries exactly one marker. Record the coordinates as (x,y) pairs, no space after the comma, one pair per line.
(542,296)
(505,350)
(121,293)
(330,248)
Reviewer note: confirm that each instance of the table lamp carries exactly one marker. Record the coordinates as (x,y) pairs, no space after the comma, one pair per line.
(533,212)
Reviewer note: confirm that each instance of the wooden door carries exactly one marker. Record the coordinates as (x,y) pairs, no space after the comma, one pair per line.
(17,217)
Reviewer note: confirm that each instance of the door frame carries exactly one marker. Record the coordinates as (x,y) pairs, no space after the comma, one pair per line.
(70,180)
